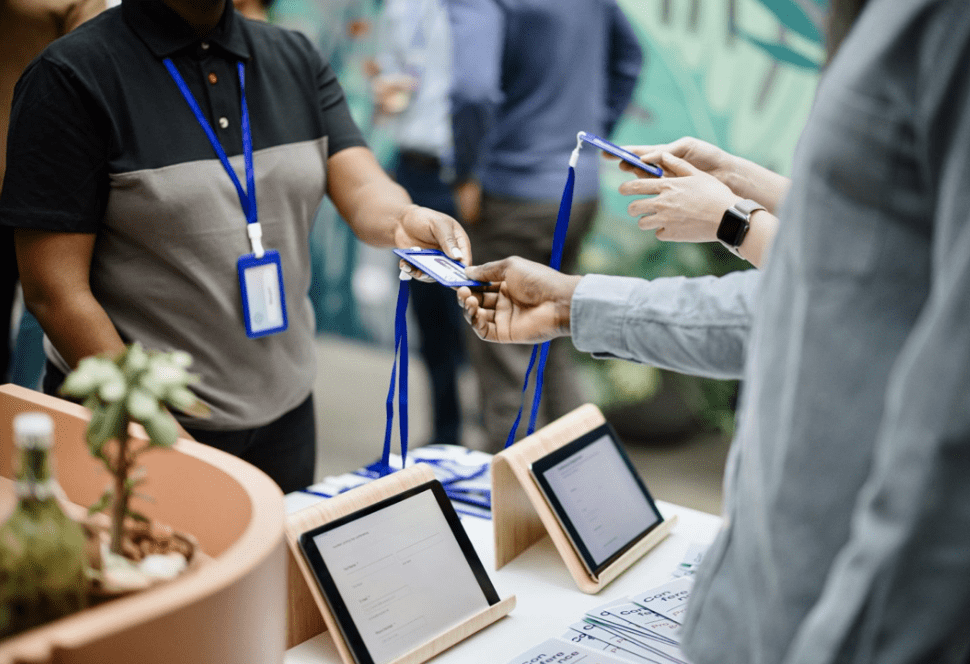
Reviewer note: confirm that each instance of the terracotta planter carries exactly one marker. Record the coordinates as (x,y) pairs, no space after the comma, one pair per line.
(231,610)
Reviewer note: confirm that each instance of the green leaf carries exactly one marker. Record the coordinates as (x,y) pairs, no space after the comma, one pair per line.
(182,398)
(82,381)
(161,429)
(138,516)
(103,502)
(113,389)
(180,358)
(134,479)
(163,373)
(141,404)
(104,425)
(135,359)
(117,420)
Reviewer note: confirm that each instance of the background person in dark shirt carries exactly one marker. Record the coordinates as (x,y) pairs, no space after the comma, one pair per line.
(527,77)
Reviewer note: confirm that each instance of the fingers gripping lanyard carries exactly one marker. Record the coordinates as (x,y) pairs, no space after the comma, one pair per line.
(263,298)
(400,347)
(542,350)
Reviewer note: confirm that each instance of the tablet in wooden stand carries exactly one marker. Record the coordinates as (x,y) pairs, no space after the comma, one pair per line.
(591,489)
(597,497)
(392,570)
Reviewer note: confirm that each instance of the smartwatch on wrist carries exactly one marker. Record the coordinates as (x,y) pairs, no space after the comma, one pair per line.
(735,224)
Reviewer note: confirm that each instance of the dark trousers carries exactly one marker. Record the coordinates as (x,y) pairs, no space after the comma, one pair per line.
(284,449)
(435,307)
(516,227)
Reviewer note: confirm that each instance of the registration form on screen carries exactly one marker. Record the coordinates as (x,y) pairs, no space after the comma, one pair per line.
(601,497)
(402,575)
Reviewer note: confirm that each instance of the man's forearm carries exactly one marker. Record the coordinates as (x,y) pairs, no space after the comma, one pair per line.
(372,204)
(77,325)
(379,212)
(55,273)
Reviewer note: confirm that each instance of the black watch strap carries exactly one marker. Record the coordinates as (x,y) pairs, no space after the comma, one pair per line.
(736,222)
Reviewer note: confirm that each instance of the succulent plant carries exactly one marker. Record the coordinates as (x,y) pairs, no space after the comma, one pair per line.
(136,386)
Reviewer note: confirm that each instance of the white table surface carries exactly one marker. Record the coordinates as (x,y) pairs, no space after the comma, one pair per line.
(547,599)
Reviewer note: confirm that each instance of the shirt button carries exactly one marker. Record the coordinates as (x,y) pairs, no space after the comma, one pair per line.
(223,122)
(205,46)
(213,78)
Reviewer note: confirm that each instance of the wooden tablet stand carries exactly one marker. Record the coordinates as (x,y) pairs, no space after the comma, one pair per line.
(306,604)
(521,515)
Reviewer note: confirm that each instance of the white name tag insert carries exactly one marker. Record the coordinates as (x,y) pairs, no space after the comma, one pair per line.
(264,301)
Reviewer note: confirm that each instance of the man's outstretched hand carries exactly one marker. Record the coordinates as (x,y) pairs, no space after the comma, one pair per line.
(524,302)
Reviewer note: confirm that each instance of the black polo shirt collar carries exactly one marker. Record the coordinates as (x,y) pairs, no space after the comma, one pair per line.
(166,33)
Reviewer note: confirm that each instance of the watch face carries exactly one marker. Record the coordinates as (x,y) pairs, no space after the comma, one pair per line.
(732,228)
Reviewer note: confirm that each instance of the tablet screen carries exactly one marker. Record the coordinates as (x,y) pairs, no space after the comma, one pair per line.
(597,496)
(398,573)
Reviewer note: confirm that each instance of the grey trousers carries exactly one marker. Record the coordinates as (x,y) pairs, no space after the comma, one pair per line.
(518,227)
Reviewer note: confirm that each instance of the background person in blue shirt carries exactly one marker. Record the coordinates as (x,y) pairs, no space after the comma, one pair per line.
(411,83)
(528,75)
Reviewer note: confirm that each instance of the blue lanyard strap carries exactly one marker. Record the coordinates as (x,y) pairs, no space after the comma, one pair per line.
(400,346)
(542,350)
(247,197)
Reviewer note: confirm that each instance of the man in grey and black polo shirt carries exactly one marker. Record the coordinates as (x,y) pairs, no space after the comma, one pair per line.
(128,228)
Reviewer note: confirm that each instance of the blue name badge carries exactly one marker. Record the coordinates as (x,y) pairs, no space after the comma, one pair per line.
(625,155)
(263,299)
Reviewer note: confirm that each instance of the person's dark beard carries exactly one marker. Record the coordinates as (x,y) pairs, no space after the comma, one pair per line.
(202,15)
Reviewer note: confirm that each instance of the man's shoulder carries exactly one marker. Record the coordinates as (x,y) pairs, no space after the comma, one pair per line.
(281,39)
(85,46)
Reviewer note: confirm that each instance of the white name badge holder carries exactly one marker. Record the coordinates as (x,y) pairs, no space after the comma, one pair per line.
(308,612)
(521,516)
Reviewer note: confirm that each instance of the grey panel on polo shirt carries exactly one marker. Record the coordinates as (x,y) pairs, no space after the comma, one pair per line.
(177,287)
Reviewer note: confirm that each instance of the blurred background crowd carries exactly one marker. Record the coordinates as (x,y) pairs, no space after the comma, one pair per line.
(740,74)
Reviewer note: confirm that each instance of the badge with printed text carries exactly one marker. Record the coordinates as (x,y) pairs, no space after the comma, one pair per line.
(263,299)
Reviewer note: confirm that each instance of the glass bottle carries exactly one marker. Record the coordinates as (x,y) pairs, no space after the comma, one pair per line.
(42,550)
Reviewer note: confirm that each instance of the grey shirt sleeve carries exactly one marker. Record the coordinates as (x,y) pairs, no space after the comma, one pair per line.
(899,591)
(697,326)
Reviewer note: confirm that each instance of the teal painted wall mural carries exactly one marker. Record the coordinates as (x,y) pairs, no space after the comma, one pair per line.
(738,73)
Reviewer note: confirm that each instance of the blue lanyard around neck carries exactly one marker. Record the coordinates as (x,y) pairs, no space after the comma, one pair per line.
(247,197)
(542,350)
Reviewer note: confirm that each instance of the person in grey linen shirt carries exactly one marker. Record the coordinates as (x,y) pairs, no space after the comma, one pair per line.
(846,535)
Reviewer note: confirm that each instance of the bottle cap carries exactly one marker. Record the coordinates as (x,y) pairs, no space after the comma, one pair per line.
(33,430)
